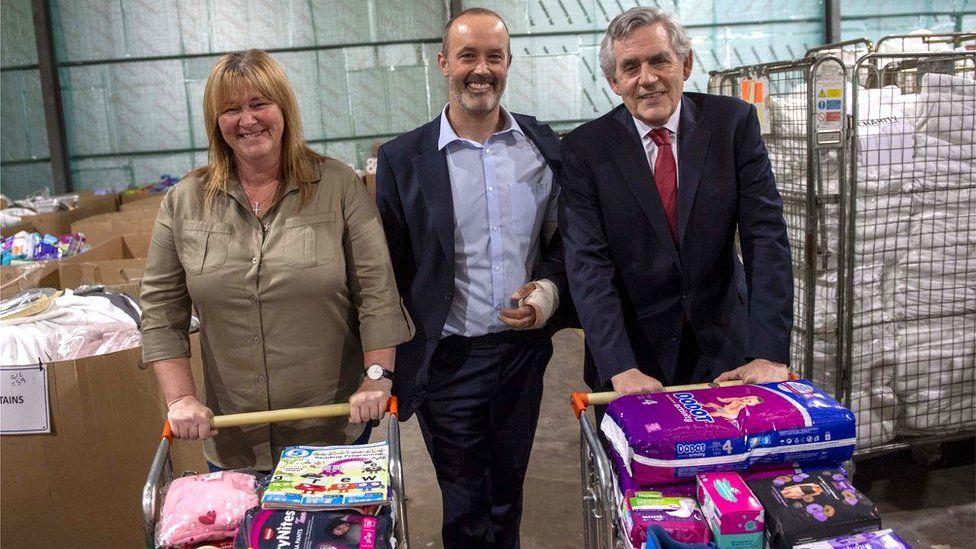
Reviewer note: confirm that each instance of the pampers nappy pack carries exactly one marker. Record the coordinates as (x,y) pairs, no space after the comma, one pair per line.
(667,438)
(732,511)
(813,505)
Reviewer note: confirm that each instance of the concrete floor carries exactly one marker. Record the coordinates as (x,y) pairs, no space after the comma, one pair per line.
(930,506)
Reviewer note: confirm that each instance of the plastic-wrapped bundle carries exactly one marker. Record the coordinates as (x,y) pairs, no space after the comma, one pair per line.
(205,507)
(275,528)
(946,108)
(667,438)
(934,374)
(943,221)
(934,283)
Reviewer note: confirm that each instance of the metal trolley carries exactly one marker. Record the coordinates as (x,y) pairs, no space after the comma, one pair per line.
(161,470)
(599,490)
(885,307)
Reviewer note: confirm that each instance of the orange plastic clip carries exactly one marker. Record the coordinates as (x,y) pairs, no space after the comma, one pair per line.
(579,402)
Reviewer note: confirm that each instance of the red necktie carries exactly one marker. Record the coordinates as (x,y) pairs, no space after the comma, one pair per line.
(666,177)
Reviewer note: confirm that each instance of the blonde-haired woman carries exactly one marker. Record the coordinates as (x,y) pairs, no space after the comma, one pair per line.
(281,252)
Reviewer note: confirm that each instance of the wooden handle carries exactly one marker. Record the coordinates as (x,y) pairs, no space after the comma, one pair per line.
(287,414)
(275,416)
(580,401)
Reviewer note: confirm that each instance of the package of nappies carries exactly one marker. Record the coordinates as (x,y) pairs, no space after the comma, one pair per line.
(277,528)
(672,507)
(680,516)
(811,506)
(732,511)
(667,438)
(881,539)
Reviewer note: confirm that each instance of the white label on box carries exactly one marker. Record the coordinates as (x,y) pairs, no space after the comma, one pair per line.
(24,407)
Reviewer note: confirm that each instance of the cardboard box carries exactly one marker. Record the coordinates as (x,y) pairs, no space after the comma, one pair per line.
(125,197)
(150,202)
(731,509)
(104,227)
(15,279)
(81,485)
(65,273)
(120,275)
(127,246)
(59,223)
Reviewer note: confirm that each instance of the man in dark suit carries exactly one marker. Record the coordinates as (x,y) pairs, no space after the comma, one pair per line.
(652,195)
(468,203)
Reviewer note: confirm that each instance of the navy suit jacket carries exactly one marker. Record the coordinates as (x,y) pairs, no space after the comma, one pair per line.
(633,287)
(413,194)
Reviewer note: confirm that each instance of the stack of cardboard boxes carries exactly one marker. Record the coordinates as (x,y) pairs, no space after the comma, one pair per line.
(80,485)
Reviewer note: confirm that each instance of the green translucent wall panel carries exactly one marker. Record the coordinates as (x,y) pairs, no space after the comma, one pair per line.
(23,139)
(133,71)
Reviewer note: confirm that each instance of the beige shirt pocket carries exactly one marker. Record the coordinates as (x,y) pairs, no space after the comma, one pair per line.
(205,246)
(311,240)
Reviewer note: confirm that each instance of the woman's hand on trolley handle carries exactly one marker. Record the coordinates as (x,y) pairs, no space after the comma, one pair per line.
(189,419)
(370,401)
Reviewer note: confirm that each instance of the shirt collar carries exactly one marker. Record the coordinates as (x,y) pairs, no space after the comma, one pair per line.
(448,135)
(672,123)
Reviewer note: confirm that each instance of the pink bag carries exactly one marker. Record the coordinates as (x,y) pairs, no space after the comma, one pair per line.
(205,507)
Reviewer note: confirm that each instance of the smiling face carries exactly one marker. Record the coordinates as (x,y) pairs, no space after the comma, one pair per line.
(251,125)
(476,62)
(648,75)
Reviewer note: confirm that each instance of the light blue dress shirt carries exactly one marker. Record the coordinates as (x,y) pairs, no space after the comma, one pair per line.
(504,198)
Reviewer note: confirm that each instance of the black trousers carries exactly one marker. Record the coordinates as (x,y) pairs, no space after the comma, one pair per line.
(478,421)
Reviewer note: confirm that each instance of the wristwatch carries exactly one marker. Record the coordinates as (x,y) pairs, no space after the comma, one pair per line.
(377,372)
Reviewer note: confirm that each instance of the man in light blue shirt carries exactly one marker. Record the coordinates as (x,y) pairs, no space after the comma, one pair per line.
(468,203)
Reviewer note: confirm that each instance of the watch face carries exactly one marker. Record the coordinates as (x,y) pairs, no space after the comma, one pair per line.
(374,372)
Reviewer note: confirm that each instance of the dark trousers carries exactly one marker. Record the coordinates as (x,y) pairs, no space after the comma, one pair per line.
(478,421)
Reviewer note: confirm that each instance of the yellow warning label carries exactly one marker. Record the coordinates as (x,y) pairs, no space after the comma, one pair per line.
(833,92)
(821,94)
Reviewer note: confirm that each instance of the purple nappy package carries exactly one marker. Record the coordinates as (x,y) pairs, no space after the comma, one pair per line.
(880,539)
(811,506)
(668,438)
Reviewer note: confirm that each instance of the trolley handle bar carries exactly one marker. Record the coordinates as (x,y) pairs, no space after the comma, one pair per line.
(286,414)
(579,400)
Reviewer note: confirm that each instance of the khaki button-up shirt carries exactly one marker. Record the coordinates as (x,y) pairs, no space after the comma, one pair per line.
(287,304)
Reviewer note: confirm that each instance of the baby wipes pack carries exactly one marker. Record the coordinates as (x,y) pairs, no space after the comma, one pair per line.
(667,438)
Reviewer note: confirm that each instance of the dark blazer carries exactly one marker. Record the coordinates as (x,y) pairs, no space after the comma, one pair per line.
(413,193)
(633,287)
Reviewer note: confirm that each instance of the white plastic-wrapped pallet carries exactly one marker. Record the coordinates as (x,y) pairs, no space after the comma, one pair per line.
(934,373)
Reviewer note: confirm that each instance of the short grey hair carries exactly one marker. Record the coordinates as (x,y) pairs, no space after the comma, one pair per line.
(635,18)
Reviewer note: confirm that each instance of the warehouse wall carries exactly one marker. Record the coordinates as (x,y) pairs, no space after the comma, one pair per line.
(132,71)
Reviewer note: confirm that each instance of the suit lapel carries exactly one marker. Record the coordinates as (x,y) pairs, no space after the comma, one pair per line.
(692,151)
(430,167)
(631,159)
(543,138)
